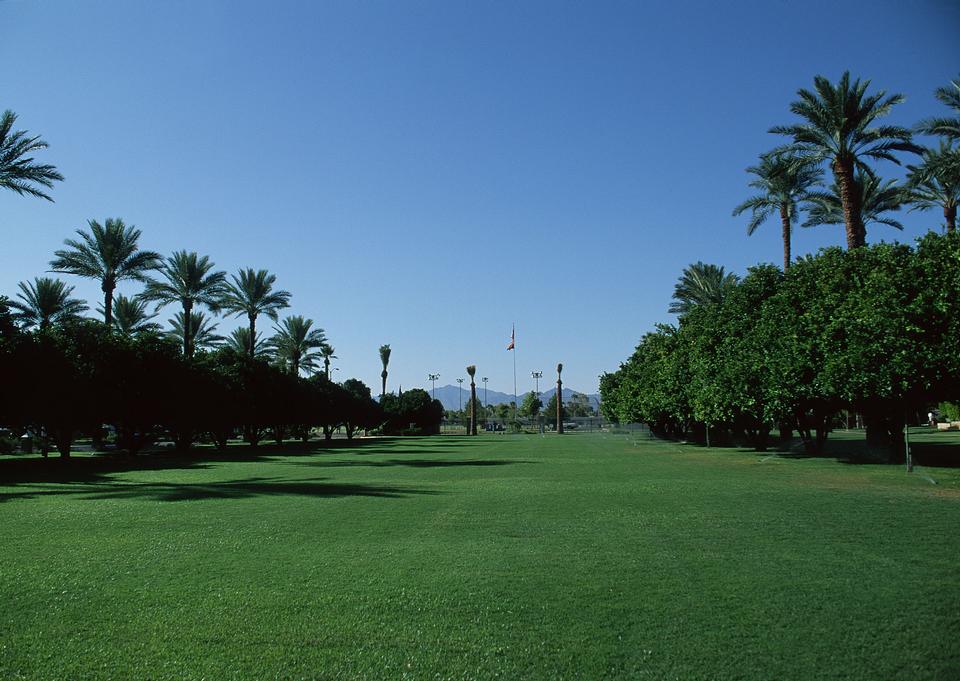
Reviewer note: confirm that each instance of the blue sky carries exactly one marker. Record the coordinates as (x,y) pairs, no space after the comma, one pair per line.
(425,174)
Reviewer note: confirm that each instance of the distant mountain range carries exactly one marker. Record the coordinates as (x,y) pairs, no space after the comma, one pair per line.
(450,396)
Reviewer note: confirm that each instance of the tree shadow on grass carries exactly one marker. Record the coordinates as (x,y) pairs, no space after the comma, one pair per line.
(412,463)
(226,489)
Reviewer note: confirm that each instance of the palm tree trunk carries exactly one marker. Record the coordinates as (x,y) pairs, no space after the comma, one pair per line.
(850,199)
(559,406)
(187,309)
(253,335)
(473,408)
(383,388)
(107,305)
(950,215)
(785,223)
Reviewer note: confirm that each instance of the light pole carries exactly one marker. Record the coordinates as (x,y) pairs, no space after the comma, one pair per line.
(484,379)
(433,380)
(536,376)
(460,392)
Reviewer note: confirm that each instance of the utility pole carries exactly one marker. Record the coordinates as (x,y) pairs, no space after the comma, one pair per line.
(537,375)
(433,380)
(460,392)
(484,379)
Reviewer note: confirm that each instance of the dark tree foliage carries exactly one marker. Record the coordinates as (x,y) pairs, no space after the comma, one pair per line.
(874,330)
(411,412)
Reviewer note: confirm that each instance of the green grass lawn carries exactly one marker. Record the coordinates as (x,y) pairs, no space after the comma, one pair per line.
(514,557)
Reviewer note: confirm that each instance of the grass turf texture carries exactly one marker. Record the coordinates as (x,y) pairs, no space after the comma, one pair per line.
(524,557)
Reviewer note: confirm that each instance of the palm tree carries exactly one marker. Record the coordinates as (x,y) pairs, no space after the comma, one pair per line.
(297,344)
(327,353)
(836,129)
(109,254)
(44,302)
(251,293)
(875,198)
(18,172)
(239,342)
(559,394)
(935,183)
(188,280)
(472,371)
(385,360)
(201,330)
(945,127)
(130,316)
(783,180)
(701,284)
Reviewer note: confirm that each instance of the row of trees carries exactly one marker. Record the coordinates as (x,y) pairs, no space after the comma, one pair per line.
(874,330)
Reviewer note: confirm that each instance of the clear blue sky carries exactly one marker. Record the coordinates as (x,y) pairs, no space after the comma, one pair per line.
(426,173)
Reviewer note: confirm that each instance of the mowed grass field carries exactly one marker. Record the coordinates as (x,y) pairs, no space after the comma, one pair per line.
(512,557)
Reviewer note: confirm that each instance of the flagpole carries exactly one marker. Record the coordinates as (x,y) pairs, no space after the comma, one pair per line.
(514,372)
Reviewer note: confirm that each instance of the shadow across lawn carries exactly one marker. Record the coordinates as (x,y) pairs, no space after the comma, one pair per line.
(412,463)
(228,489)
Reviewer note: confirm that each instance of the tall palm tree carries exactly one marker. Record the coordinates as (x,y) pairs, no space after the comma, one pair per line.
(472,371)
(875,197)
(187,279)
(109,254)
(327,353)
(701,284)
(783,181)
(43,302)
(18,172)
(251,293)
(837,128)
(200,333)
(560,396)
(935,183)
(239,341)
(130,316)
(297,344)
(945,127)
(385,360)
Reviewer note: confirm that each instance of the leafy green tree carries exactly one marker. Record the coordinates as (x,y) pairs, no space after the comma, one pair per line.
(200,333)
(384,360)
(109,254)
(187,279)
(701,284)
(837,128)
(784,180)
(362,411)
(531,405)
(578,406)
(875,198)
(251,293)
(935,183)
(944,126)
(18,171)
(130,317)
(43,302)
(298,344)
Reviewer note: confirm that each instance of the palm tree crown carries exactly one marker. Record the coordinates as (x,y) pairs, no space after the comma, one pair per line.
(701,284)
(43,302)
(838,128)
(18,172)
(384,360)
(130,316)
(935,183)
(186,279)
(239,342)
(109,254)
(199,333)
(251,293)
(945,127)
(327,353)
(876,198)
(297,344)
(783,181)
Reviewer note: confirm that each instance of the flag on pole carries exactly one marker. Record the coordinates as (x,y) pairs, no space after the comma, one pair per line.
(512,338)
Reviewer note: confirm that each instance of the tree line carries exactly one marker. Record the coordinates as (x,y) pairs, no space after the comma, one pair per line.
(874,330)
